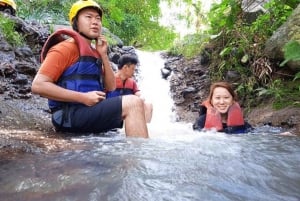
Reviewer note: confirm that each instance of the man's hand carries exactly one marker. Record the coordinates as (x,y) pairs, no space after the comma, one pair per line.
(93,97)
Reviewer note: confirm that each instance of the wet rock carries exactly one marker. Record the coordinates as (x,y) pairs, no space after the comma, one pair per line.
(287,118)
(20,80)
(165,73)
(187,91)
(232,76)
(114,57)
(7,69)
(24,52)
(26,68)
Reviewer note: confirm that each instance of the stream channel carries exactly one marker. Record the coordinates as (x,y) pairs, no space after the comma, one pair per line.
(174,164)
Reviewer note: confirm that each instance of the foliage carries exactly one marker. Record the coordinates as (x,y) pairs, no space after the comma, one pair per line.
(7,27)
(190,45)
(290,94)
(132,21)
(238,45)
(161,38)
(277,91)
(224,15)
(44,11)
(291,52)
(274,90)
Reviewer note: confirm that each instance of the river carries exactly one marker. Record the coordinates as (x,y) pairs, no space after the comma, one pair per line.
(174,164)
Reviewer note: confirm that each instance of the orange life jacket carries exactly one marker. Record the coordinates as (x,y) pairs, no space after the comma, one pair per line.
(214,120)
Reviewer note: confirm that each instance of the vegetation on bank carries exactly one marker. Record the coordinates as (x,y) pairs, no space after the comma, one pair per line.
(135,22)
(237,45)
(7,27)
(232,43)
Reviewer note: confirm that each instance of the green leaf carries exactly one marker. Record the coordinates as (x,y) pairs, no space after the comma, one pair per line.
(297,76)
(225,51)
(291,52)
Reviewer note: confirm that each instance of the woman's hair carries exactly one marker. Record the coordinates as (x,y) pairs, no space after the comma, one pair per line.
(225,85)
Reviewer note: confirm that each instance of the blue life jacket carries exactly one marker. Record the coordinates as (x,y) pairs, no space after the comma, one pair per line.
(85,75)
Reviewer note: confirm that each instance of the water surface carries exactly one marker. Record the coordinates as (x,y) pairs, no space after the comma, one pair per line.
(175,163)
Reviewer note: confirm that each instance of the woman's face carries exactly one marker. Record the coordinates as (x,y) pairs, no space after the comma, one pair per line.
(221,99)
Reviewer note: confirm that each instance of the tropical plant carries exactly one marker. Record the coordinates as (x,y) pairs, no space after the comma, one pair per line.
(7,27)
(135,22)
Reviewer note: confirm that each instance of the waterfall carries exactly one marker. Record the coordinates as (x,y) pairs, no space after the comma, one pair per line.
(155,89)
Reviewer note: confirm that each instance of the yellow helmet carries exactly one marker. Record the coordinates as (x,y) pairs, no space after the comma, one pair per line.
(77,6)
(10,3)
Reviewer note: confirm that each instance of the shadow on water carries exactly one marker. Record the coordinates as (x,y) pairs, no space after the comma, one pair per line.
(176,163)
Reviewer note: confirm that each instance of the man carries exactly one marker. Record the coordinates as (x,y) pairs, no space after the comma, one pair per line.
(125,85)
(74,75)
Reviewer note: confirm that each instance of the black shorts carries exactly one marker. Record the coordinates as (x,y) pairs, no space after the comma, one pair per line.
(102,117)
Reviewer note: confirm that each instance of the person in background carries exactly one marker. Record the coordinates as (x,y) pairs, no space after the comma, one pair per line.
(126,85)
(74,75)
(221,111)
(8,6)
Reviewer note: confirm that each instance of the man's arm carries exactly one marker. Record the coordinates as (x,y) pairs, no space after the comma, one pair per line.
(45,87)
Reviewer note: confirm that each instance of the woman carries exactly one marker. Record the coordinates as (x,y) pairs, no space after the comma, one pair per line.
(221,111)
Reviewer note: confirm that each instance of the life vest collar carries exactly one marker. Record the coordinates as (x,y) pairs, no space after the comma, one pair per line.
(60,35)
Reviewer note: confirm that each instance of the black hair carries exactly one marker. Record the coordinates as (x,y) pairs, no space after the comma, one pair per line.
(8,9)
(127,59)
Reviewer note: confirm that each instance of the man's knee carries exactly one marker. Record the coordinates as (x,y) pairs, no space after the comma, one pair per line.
(132,101)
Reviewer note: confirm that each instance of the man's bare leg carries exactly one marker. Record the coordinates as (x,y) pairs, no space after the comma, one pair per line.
(148,107)
(134,116)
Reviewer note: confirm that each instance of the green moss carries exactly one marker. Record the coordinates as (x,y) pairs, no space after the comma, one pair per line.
(291,95)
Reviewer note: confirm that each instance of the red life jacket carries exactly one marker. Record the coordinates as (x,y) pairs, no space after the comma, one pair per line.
(214,120)
(126,87)
(61,35)
(126,84)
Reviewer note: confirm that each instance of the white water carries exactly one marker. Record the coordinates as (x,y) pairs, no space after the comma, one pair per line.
(156,90)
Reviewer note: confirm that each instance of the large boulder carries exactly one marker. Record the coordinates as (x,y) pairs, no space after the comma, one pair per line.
(288,31)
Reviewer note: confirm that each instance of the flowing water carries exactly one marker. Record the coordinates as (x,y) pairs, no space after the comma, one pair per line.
(174,164)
